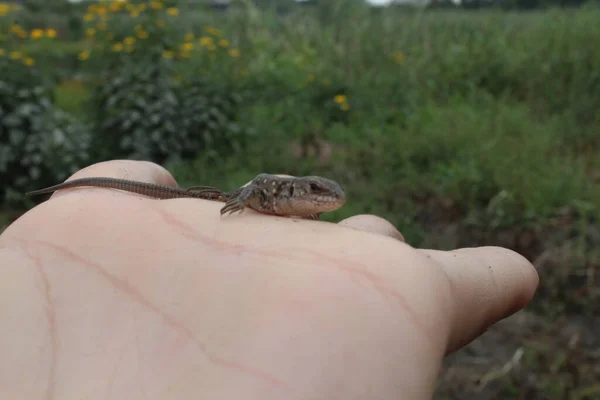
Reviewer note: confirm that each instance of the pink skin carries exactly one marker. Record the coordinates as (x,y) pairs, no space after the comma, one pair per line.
(107,294)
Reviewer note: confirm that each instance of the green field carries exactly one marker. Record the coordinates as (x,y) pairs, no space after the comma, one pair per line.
(461,128)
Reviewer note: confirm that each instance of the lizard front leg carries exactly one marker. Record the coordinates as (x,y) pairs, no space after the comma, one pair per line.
(240,199)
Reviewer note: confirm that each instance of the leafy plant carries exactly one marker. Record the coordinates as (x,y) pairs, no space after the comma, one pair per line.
(39,145)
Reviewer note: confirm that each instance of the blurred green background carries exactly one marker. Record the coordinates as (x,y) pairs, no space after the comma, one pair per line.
(464,125)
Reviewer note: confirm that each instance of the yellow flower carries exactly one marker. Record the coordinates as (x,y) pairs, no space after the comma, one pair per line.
(223,43)
(101,10)
(116,6)
(205,41)
(234,52)
(51,33)
(134,14)
(1,52)
(398,57)
(142,34)
(37,33)
(187,46)
(168,54)
(28,61)
(117,47)
(344,106)
(340,98)
(101,26)
(212,31)
(84,55)
(129,40)
(172,11)
(17,30)
(15,55)
(4,9)
(188,37)
(88,17)
(90,32)
(211,47)
(157,5)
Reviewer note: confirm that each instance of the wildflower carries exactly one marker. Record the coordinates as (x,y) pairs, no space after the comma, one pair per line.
(129,40)
(212,31)
(88,17)
(187,46)
(157,5)
(15,55)
(223,43)
(168,54)
(398,57)
(101,10)
(134,14)
(84,55)
(28,61)
(36,34)
(340,98)
(17,30)
(1,52)
(344,106)
(117,47)
(89,32)
(116,6)
(4,9)
(142,34)
(234,52)
(51,33)
(189,37)
(101,26)
(205,41)
(173,11)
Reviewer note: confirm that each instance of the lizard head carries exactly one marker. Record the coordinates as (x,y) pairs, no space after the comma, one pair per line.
(315,194)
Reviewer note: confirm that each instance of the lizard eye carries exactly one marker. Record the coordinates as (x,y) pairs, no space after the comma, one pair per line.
(315,187)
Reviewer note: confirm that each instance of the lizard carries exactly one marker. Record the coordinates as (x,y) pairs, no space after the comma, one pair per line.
(306,197)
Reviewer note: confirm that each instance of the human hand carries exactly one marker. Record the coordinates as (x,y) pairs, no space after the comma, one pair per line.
(106,294)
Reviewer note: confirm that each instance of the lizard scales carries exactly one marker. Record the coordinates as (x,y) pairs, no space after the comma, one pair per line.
(305,197)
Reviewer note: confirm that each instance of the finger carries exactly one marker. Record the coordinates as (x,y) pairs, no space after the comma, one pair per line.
(373,224)
(489,284)
(142,171)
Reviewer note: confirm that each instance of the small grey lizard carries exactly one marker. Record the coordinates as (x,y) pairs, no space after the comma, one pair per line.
(306,197)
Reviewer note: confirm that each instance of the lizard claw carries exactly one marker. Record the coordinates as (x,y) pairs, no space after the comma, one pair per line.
(232,206)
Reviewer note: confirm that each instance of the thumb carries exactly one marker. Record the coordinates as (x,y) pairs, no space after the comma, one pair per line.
(488,284)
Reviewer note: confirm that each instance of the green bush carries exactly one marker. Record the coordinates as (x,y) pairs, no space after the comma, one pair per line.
(39,145)
(146,106)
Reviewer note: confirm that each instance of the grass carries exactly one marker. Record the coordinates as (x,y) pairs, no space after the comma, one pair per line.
(462,129)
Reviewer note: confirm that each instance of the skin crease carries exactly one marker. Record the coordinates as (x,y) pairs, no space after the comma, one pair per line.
(105,294)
